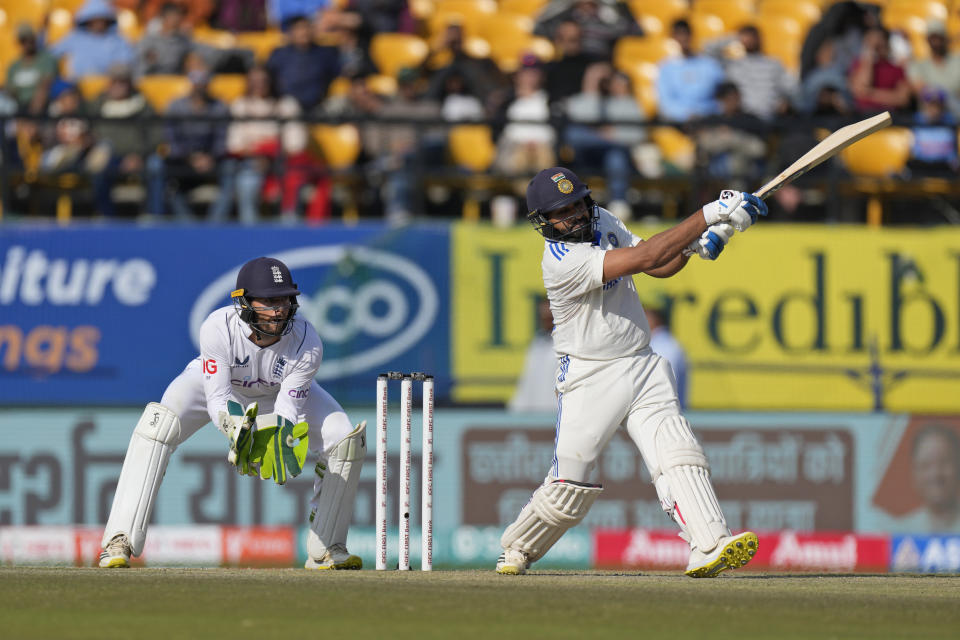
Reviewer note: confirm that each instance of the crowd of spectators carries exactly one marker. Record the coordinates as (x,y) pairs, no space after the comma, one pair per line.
(577,106)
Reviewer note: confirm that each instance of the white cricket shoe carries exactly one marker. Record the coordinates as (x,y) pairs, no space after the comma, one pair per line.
(512,563)
(116,554)
(731,552)
(336,557)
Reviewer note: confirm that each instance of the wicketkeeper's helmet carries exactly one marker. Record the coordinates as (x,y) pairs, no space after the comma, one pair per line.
(264,278)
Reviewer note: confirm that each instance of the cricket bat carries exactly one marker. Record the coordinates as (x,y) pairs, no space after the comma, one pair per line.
(826,149)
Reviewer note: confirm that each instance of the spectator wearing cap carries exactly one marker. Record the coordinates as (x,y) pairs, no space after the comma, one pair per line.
(254,145)
(165,49)
(528,141)
(940,69)
(29,77)
(196,145)
(687,84)
(876,82)
(93,45)
(604,125)
(766,87)
(933,152)
(303,69)
(127,138)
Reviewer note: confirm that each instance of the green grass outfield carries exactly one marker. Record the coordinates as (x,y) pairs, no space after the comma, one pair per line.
(254,604)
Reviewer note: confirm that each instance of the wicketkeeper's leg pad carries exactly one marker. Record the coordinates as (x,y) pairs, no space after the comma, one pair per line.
(683,485)
(154,438)
(554,508)
(337,483)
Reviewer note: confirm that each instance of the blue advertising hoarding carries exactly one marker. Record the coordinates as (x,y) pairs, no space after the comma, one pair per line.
(109,315)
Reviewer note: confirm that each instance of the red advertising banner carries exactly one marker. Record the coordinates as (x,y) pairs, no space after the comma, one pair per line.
(779,551)
(259,546)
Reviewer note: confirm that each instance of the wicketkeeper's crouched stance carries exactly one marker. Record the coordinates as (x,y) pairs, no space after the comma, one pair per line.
(255,380)
(608,376)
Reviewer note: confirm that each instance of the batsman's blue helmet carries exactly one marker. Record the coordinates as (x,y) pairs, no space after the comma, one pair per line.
(556,188)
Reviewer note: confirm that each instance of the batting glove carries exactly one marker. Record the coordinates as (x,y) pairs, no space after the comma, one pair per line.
(736,207)
(711,242)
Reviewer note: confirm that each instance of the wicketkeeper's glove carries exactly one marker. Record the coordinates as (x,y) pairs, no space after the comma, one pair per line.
(279,447)
(239,424)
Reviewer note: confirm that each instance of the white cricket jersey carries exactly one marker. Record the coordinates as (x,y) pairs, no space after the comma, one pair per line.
(234,368)
(593,320)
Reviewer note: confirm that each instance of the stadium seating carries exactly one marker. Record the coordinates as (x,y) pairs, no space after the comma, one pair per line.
(707,27)
(394,51)
(472,148)
(510,36)
(340,147)
(733,13)
(59,24)
(805,12)
(160,90)
(782,38)
(33,12)
(882,154)
(92,86)
(629,50)
(262,43)
(523,7)
(666,11)
(643,78)
(227,87)
(469,13)
(677,149)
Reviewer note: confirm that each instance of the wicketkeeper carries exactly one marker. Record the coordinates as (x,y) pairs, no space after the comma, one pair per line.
(610,378)
(254,379)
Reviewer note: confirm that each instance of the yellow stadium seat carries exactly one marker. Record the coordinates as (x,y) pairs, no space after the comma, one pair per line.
(471,146)
(339,144)
(69,5)
(524,7)
(630,50)
(469,13)
(706,27)
(667,11)
(505,25)
(676,147)
(59,24)
(733,13)
(782,38)
(92,86)
(31,11)
(382,85)
(643,78)
(214,37)
(161,90)
(128,24)
(262,43)
(882,154)
(227,87)
(924,9)
(340,86)
(507,52)
(394,51)
(805,12)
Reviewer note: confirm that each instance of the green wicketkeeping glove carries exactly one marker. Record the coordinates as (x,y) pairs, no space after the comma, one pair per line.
(279,447)
(238,424)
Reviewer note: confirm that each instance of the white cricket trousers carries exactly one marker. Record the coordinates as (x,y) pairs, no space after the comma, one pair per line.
(597,397)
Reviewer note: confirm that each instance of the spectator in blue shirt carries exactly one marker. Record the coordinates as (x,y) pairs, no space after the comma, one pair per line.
(686,85)
(303,69)
(94,45)
(283,12)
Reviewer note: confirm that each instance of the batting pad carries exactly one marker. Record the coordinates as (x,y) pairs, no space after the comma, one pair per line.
(155,437)
(687,494)
(554,508)
(337,485)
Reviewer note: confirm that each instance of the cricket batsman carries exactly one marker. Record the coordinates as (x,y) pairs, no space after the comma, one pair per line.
(609,377)
(254,379)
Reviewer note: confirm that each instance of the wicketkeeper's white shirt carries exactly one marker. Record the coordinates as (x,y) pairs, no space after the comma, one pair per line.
(593,320)
(234,368)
